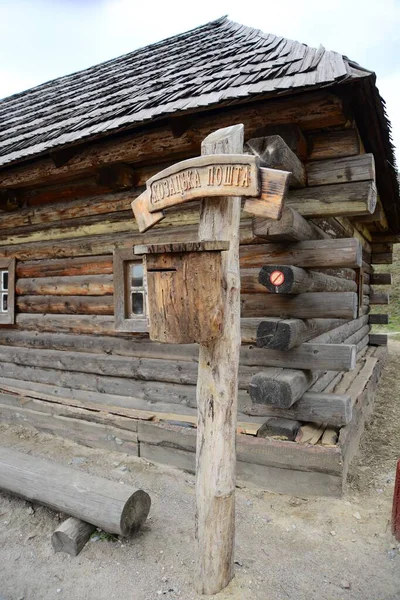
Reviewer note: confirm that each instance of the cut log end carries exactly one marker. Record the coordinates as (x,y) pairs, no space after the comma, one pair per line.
(71,536)
(135,512)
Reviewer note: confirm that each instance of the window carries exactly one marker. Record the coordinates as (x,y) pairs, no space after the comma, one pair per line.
(129,292)
(7,294)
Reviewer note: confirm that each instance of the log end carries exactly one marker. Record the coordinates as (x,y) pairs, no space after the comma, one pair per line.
(269,391)
(273,335)
(135,512)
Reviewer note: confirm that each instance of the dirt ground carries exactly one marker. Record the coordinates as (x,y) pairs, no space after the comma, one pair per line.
(286,547)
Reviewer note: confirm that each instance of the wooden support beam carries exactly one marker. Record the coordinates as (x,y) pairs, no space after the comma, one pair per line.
(217,392)
(291,227)
(80,285)
(274,153)
(284,334)
(343,199)
(297,281)
(382,247)
(71,536)
(378,339)
(377,216)
(341,170)
(375,319)
(284,428)
(333,144)
(117,176)
(332,409)
(319,305)
(381,279)
(315,254)
(106,504)
(291,135)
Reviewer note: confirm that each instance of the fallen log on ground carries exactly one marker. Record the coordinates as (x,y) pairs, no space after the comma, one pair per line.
(115,508)
(71,536)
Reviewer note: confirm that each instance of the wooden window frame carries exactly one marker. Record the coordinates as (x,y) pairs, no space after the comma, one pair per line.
(121,292)
(8,318)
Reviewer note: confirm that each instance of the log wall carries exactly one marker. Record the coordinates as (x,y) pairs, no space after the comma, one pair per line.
(64,349)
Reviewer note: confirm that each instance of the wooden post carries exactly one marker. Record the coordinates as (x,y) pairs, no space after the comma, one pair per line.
(217,392)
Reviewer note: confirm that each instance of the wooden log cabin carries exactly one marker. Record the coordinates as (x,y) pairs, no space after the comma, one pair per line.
(75,355)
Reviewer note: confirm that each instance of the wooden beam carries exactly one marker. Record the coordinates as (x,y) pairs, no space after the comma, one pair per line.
(294,280)
(316,254)
(382,259)
(341,170)
(378,339)
(333,144)
(318,305)
(284,334)
(375,319)
(291,135)
(71,536)
(381,279)
(309,111)
(274,153)
(379,297)
(291,227)
(106,504)
(343,199)
(284,428)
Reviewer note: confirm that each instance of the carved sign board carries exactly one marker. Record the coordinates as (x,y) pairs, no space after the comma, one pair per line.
(217,175)
(204,176)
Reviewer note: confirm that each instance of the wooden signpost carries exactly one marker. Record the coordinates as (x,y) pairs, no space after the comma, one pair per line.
(194,295)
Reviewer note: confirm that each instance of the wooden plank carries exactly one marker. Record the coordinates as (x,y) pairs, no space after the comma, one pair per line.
(273,152)
(309,111)
(80,285)
(281,481)
(341,170)
(280,388)
(343,199)
(269,204)
(200,246)
(291,227)
(281,428)
(379,297)
(333,144)
(321,305)
(310,433)
(295,280)
(382,259)
(106,504)
(325,253)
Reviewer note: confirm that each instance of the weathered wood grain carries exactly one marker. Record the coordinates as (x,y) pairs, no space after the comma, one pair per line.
(319,305)
(273,152)
(341,170)
(297,281)
(77,285)
(291,227)
(84,305)
(115,508)
(71,536)
(333,144)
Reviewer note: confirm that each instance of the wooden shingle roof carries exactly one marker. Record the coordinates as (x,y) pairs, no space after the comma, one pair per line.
(219,61)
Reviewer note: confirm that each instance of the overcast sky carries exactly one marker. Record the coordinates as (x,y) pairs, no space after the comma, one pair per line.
(44,39)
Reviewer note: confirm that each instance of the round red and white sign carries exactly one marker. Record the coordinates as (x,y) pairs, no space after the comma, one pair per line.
(277,278)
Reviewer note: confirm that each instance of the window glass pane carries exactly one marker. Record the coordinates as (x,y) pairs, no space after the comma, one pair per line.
(137,275)
(137,303)
(4,302)
(4,280)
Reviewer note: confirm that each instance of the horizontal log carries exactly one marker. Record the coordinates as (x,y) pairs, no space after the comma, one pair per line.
(325,253)
(341,170)
(291,227)
(332,409)
(282,428)
(377,216)
(381,247)
(342,332)
(274,153)
(309,111)
(106,504)
(319,305)
(284,334)
(84,305)
(379,297)
(378,339)
(378,319)
(382,259)
(79,285)
(343,199)
(72,267)
(297,280)
(282,388)
(83,324)
(381,279)
(333,144)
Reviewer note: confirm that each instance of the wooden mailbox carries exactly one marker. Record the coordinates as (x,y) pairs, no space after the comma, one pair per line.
(184,282)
